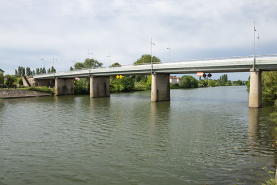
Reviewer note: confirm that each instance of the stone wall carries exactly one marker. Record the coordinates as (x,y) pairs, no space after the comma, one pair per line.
(20,93)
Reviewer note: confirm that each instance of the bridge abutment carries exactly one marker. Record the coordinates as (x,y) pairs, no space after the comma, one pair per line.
(64,86)
(160,88)
(99,86)
(255,91)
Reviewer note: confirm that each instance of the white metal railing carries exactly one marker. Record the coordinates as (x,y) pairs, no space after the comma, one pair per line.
(188,60)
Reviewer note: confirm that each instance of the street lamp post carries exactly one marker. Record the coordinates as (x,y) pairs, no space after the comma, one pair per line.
(44,64)
(53,66)
(258,44)
(151,56)
(89,53)
(254,48)
(169,51)
(109,58)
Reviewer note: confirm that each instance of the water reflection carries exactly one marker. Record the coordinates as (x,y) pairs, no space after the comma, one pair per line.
(201,135)
(253,132)
(159,125)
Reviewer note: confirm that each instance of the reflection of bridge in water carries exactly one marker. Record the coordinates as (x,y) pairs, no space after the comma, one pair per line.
(160,90)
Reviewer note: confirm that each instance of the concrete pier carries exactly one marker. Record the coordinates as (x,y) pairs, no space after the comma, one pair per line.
(64,86)
(255,91)
(99,86)
(160,88)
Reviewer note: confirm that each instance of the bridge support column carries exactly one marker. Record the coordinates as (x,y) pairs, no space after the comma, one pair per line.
(160,88)
(255,92)
(64,86)
(99,86)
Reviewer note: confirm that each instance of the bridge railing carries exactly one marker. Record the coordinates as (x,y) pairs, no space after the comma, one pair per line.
(175,61)
(222,58)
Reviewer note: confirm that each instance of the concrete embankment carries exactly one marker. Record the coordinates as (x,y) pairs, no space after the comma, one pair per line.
(21,93)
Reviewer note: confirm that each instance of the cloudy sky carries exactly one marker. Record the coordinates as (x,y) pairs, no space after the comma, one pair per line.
(31,30)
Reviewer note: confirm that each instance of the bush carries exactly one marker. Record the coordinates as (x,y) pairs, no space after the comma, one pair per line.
(140,87)
(189,82)
(124,84)
(41,89)
(81,90)
(174,86)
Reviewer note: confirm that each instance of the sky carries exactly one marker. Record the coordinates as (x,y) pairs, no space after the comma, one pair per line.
(70,31)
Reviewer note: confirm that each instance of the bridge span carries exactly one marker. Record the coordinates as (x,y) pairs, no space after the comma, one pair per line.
(160,90)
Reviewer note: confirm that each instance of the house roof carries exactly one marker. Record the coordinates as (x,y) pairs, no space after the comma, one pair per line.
(2,71)
(172,77)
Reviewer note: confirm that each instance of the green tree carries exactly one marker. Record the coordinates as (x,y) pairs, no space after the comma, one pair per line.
(53,70)
(223,79)
(239,82)
(10,81)
(211,83)
(37,71)
(248,84)
(146,58)
(1,79)
(269,85)
(126,83)
(82,86)
(20,81)
(115,65)
(21,71)
(28,71)
(79,65)
(189,82)
(148,82)
(229,83)
(92,63)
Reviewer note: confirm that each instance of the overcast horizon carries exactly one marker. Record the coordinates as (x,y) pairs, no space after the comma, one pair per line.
(68,30)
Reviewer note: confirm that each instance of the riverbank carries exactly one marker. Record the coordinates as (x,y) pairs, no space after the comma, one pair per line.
(21,93)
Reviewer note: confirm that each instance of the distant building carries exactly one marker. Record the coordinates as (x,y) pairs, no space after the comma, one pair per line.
(175,80)
(1,71)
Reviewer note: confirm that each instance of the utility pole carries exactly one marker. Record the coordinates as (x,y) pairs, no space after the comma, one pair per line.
(169,51)
(89,53)
(254,48)
(109,58)
(151,56)
(258,44)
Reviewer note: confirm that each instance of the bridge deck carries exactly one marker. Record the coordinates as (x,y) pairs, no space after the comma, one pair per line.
(220,65)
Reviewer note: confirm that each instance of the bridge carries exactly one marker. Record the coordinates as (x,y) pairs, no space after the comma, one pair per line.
(160,90)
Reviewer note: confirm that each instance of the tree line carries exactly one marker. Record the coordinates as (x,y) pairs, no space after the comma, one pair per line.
(22,71)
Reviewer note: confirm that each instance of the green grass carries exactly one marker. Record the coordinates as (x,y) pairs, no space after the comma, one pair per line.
(41,89)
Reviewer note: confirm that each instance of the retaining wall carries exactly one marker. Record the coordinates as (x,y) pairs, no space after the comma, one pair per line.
(21,93)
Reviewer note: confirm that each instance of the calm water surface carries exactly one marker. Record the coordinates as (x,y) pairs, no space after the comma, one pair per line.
(202,136)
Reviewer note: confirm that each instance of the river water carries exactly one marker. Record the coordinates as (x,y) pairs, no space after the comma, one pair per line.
(201,136)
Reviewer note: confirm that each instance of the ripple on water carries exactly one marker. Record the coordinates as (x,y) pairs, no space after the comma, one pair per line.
(202,136)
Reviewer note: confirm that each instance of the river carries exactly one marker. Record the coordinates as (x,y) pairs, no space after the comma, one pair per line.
(201,136)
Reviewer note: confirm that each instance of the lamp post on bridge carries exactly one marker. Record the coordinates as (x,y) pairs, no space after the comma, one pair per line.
(169,51)
(44,65)
(53,66)
(258,44)
(254,48)
(109,58)
(89,53)
(151,56)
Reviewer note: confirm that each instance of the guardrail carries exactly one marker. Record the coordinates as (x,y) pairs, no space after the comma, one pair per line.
(188,60)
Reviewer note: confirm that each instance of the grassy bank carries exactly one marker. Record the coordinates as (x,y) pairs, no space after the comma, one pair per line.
(42,89)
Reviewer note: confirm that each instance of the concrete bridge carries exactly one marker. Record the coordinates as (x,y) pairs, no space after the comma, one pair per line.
(160,90)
